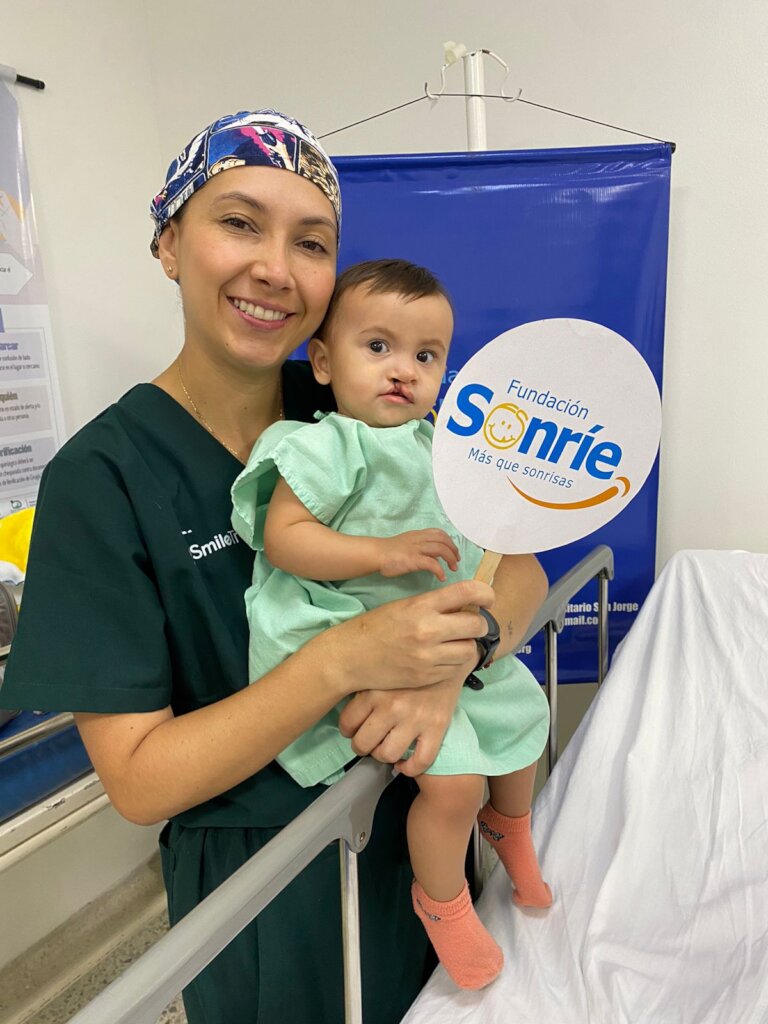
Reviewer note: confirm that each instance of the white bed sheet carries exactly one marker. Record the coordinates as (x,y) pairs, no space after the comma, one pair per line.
(652,830)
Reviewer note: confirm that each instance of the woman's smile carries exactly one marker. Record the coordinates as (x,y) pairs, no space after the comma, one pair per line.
(261,316)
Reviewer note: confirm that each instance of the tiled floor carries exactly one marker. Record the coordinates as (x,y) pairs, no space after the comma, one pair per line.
(82,992)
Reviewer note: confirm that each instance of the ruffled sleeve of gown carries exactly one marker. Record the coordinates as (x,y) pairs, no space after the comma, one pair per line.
(323,463)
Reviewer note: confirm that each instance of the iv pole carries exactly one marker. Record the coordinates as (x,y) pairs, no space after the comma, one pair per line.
(477,141)
(474,82)
(474,89)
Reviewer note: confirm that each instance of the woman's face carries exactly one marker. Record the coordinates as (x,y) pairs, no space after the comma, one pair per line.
(255,256)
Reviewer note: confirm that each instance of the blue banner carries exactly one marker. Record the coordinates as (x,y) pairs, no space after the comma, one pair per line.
(529,235)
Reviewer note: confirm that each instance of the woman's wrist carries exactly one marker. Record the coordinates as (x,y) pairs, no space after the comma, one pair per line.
(325,657)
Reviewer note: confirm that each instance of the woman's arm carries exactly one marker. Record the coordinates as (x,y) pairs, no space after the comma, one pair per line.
(386,724)
(154,765)
(521,586)
(296,542)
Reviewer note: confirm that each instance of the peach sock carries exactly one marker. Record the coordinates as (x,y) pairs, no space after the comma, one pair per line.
(464,947)
(511,839)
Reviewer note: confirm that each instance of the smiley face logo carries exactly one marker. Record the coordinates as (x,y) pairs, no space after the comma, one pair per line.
(504,425)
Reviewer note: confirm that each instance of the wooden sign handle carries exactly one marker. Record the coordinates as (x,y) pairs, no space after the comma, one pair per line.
(489,563)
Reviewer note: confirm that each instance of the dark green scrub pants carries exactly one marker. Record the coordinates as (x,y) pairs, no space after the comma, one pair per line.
(286,966)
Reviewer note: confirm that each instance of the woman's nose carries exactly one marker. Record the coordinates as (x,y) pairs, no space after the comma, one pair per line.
(272,265)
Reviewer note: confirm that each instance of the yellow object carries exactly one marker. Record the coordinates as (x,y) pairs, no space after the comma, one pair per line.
(15,534)
(505,425)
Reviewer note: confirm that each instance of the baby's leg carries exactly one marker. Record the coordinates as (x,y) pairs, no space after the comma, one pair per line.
(505,822)
(439,826)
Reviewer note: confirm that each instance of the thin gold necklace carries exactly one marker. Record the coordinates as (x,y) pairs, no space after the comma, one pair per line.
(204,422)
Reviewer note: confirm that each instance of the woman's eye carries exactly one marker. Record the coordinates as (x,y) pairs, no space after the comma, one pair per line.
(312,245)
(377,346)
(237,222)
(426,357)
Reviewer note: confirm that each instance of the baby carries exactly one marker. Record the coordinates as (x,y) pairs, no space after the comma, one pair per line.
(324,506)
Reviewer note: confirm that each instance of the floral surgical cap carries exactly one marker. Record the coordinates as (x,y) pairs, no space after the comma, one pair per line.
(261,138)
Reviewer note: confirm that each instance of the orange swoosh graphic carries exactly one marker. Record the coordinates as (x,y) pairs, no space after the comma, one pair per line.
(597,499)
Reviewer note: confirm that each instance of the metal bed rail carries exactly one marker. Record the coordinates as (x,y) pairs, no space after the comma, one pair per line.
(55,812)
(50,818)
(551,618)
(344,814)
(48,727)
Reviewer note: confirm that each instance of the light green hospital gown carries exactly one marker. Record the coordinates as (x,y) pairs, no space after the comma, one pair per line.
(372,482)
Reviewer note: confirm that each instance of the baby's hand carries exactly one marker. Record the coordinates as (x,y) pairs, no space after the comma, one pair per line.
(418,550)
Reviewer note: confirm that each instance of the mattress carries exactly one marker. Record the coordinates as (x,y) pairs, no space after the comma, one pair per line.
(652,830)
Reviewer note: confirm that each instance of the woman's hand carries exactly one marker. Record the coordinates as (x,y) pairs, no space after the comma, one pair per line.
(420,651)
(385,723)
(415,551)
(407,644)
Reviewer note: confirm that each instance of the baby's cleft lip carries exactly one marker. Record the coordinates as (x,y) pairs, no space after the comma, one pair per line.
(398,391)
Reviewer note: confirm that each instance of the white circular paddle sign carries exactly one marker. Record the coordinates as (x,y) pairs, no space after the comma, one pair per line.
(547,433)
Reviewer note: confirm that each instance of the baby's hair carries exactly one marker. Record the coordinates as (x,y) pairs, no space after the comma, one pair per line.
(384,277)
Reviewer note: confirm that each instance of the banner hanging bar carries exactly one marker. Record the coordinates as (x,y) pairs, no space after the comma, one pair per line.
(475,96)
(496,96)
(33,83)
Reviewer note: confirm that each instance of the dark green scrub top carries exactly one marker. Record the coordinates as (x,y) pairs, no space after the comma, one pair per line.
(134,599)
(134,592)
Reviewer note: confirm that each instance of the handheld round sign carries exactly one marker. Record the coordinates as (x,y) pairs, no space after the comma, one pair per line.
(546,434)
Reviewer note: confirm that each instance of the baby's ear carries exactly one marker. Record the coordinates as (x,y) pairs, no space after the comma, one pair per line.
(318,358)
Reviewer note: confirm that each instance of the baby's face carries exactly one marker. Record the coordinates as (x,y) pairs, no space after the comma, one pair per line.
(385,355)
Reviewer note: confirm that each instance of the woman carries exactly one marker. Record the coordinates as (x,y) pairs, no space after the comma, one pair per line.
(133,609)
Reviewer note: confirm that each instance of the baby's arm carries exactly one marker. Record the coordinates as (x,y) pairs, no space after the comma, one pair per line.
(296,542)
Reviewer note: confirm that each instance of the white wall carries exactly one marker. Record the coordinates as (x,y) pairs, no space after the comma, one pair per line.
(94,163)
(128,84)
(44,889)
(695,74)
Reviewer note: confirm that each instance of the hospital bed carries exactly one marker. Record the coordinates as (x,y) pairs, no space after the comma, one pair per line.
(652,830)
(343,814)
(47,785)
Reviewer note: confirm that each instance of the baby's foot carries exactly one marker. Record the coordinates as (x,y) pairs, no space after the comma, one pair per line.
(512,841)
(465,949)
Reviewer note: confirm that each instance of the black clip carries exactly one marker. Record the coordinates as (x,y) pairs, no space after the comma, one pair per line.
(473,682)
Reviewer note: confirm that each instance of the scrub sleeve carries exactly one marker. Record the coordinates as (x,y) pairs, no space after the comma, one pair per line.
(134,601)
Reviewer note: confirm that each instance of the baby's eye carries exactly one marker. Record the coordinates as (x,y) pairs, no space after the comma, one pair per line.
(426,357)
(378,346)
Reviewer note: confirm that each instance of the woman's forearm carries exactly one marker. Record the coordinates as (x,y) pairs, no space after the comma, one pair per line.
(521,586)
(156,765)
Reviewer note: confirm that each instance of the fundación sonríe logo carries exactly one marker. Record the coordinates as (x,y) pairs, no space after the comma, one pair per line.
(545,435)
(507,425)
